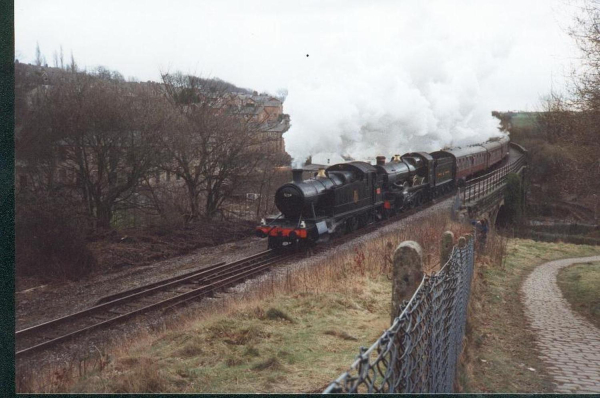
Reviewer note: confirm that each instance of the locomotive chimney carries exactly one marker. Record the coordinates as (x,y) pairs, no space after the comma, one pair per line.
(297,175)
(380,160)
(321,173)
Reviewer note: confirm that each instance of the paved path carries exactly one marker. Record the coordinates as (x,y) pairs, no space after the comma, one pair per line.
(570,345)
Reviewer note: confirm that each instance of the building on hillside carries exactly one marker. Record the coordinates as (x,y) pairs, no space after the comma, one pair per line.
(262,110)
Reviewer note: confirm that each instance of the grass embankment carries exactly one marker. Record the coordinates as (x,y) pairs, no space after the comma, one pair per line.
(295,333)
(292,343)
(580,284)
(501,351)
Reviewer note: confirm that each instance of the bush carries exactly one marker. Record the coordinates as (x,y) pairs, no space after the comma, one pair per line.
(50,242)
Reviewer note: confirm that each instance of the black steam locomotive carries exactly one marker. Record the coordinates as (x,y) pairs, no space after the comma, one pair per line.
(347,196)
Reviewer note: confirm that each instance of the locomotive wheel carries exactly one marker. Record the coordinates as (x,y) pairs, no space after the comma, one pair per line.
(275,244)
(418,201)
(339,232)
(351,225)
(363,220)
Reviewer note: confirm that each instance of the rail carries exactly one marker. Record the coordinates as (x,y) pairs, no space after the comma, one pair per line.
(124,305)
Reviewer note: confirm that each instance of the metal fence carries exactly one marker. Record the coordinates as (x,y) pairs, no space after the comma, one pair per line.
(419,352)
(482,186)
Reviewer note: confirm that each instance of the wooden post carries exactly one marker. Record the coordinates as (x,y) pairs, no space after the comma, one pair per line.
(407,273)
(446,250)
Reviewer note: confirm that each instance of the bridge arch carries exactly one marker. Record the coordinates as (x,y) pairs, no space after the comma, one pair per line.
(502,217)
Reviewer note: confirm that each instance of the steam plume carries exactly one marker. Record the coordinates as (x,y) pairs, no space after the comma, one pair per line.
(414,87)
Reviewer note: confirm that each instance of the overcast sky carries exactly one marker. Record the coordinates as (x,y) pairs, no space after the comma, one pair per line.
(431,71)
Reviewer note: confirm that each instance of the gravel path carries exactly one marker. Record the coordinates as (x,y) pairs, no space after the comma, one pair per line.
(570,345)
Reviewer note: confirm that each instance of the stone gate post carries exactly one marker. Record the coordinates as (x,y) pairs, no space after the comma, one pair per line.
(407,274)
(446,249)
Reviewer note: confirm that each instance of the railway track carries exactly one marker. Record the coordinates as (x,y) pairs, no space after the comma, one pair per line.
(169,292)
(172,291)
(159,295)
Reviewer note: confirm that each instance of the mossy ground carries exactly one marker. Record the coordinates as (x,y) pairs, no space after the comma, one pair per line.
(580,285)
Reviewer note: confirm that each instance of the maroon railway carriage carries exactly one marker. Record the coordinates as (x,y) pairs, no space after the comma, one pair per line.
(473,159)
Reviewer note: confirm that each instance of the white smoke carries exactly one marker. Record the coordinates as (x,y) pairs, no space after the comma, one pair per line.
(405,83)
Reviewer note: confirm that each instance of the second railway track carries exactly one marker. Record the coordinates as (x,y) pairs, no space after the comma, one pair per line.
(169,292)
(165,293)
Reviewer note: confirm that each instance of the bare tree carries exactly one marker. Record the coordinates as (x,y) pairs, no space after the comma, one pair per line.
(211,147)
(584,136)
(40,60)
(73,66)
(98,132)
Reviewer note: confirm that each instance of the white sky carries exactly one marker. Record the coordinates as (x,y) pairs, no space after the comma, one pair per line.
(438,58)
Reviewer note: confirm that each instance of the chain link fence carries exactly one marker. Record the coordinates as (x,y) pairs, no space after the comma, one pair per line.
(419,352)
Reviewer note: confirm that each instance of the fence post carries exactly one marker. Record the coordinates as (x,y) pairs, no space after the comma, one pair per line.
(407,273)
(446,251)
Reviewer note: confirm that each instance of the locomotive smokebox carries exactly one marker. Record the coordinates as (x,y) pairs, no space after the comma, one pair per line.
(380,160)
(297,175)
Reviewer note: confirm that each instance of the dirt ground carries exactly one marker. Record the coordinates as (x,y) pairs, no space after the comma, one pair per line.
(126,261)
(116,251)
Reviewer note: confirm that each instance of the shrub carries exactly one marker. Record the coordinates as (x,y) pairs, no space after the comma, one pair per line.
(50,242)
(512,198)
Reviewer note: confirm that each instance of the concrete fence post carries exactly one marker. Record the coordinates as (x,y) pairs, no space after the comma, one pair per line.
(407,273)
(446,249)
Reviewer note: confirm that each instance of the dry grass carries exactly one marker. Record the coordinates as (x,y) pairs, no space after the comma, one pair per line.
(294,332)
(499,348)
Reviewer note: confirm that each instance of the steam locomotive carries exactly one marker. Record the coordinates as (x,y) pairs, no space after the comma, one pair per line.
(347,196)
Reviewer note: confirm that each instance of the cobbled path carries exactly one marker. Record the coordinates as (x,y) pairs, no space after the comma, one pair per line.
(570,345)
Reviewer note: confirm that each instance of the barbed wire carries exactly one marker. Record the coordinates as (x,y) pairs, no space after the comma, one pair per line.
(420,351)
